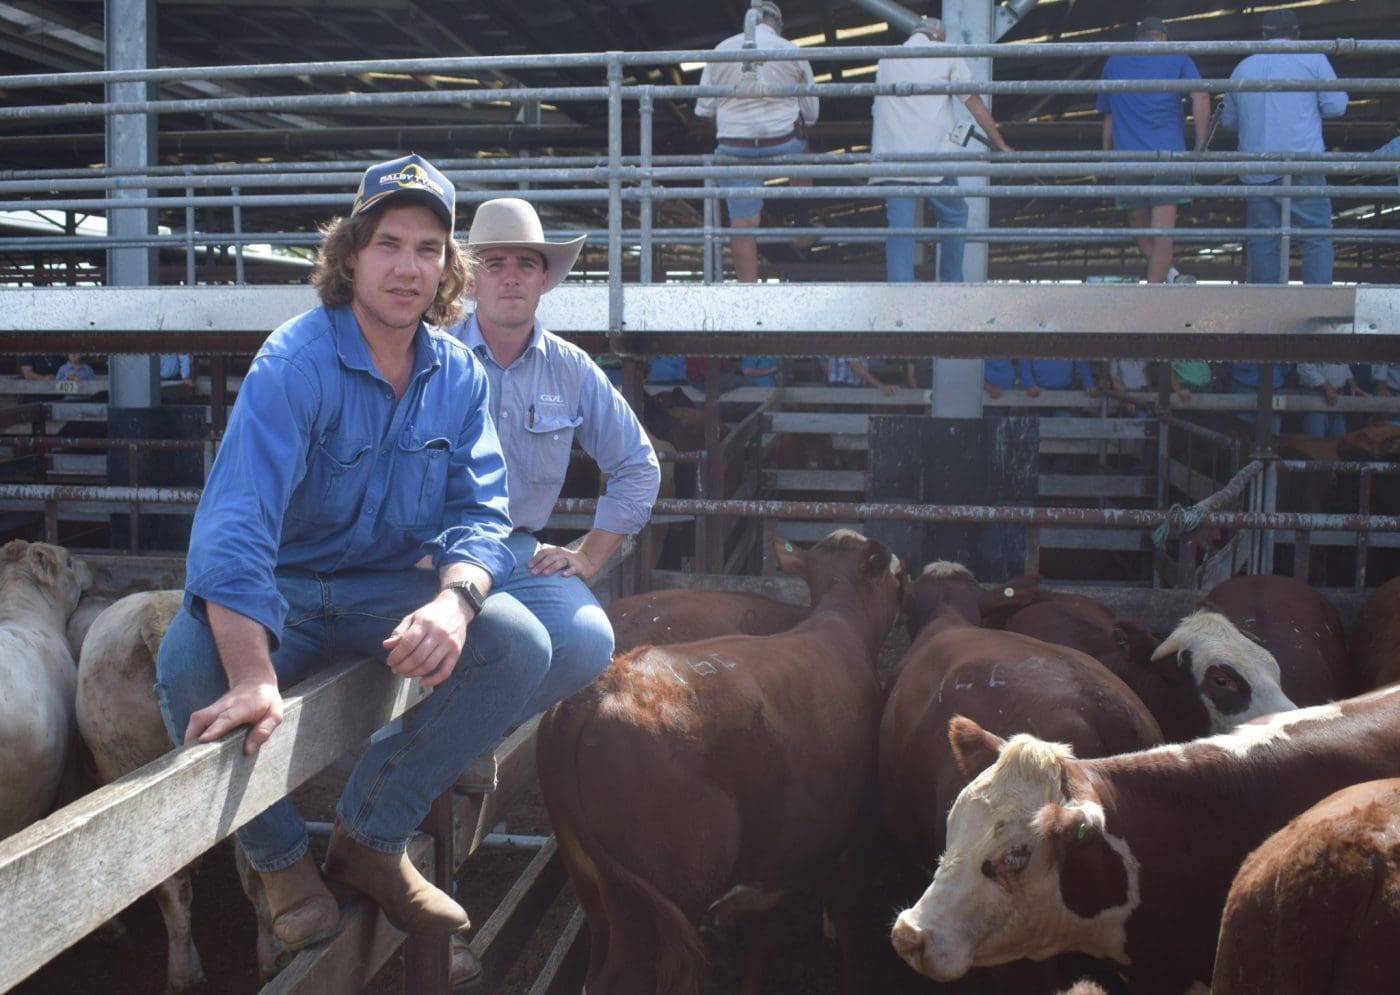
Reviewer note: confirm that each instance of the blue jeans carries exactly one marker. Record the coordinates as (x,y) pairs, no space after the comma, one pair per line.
(949,211)
(579,633)
(347,614)
(752,207)
(1323,423)
(1304,212)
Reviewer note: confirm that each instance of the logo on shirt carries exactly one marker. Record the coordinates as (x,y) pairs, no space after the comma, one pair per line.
(552,398)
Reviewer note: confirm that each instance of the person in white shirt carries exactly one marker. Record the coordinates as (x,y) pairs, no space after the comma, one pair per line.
(1329,379)
(920,125)
(756,127)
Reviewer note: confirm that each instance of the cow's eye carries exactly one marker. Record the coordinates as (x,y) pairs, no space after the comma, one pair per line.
(1014,860)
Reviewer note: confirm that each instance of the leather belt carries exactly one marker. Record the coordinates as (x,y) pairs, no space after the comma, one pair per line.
(759,143)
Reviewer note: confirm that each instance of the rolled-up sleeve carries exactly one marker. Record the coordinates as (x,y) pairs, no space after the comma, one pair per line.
(613,436)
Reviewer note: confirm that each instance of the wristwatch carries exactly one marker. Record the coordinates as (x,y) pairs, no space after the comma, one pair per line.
(470,593)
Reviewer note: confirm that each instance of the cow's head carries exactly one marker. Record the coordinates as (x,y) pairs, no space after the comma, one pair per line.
(1029,869)
(1235,677)
(58,576)
(845,557)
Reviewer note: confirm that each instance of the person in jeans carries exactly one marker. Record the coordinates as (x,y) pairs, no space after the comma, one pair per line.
(1284,121)
(921,124)
(360,443)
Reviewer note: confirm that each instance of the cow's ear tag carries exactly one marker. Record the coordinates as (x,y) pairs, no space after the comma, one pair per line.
(1083,831)
(1009,592)
(787,547)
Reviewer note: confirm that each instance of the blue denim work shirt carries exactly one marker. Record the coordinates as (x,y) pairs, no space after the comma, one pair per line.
(321,468)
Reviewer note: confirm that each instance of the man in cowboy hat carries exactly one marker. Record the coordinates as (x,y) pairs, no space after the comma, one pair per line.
(360,443)
(547,394)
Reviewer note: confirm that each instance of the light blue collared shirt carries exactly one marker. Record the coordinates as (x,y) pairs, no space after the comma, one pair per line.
(552,395)
(322,468)
(1274,121)
(173,365)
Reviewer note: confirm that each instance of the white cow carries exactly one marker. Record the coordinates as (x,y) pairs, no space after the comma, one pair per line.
(39,587)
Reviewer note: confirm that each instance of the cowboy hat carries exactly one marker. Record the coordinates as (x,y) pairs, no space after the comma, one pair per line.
(511,223)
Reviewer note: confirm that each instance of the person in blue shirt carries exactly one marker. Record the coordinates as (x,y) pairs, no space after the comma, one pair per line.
(39,367)
(74,369)
(1284,121)
(546,395)
(360,443)
(177,366)
(1152,122)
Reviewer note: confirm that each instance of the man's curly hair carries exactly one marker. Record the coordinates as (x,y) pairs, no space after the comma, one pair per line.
(341,238)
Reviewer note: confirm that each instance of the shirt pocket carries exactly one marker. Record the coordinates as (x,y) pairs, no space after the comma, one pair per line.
(418,493)
(337,475)
(549,439)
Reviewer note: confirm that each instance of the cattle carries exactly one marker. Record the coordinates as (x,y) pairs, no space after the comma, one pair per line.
(1375,645)
(40,585)
(709,778)
(121,724)
(1128,857)
(1317,907)
(1008,681)
(662,618)
(1298,626)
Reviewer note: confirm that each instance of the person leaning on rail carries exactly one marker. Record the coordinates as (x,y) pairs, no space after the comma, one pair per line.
(360,442)
(757,127)
(546,395)
(1152,122)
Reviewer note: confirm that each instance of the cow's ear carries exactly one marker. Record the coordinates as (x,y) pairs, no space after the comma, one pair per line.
(878,559)
(791,559)
(1092,875)
(974,748)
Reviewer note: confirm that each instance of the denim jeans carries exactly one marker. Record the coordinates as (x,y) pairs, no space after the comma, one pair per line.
(346,614)
(752,207)
(1323,423)
(1304,212)
(578,630)
(949,211)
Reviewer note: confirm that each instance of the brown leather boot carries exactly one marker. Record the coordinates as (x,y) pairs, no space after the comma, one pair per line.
(303,910)
(409,901)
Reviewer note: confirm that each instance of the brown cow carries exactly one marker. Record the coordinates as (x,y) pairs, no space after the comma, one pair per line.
(1010,682)
(1128,857)
(1317,907)
(1375,645)
(1297,625)
(712,777)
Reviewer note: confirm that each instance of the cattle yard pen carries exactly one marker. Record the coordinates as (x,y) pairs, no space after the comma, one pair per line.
(1213,501)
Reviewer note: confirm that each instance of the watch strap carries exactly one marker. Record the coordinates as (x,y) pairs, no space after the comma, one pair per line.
(470,592)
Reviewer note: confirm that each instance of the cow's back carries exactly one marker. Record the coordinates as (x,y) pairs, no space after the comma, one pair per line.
(1375,645)
(1297,625)
(1316,908)
(663,618)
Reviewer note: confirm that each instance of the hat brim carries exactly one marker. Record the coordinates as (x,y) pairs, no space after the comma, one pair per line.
(406,196)
(559,257)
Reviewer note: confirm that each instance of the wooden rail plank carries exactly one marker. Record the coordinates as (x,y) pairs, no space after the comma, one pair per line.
(499,940)
(67,874)
(563,972)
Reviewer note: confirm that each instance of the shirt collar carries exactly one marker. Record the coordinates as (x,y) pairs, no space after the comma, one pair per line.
(472,338)
(353,350)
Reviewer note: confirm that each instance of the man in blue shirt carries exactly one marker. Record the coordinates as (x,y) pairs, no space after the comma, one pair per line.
(546,394)
(1284,121)
(360,443)
(1152,122)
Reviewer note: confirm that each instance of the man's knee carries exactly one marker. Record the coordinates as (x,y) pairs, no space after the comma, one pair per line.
(508,631)
(188,673)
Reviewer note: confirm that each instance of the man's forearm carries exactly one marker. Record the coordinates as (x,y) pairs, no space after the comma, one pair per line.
(598,545)
(243,646)
(462,571)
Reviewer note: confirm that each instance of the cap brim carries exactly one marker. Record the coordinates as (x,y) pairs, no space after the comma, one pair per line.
(401,197)
(559,257)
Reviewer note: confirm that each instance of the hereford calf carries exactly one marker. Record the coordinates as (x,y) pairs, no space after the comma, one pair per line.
(1317,907)
(711,777)
(1375,645)
(1129,857)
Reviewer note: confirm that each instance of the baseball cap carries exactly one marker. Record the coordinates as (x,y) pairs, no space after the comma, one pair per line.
(1151,24)
(409,178)
(1283,19)
(770,9)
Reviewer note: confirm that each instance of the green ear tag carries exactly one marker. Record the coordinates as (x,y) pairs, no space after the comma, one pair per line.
(1009,592)
(1083,830)
(787,547)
